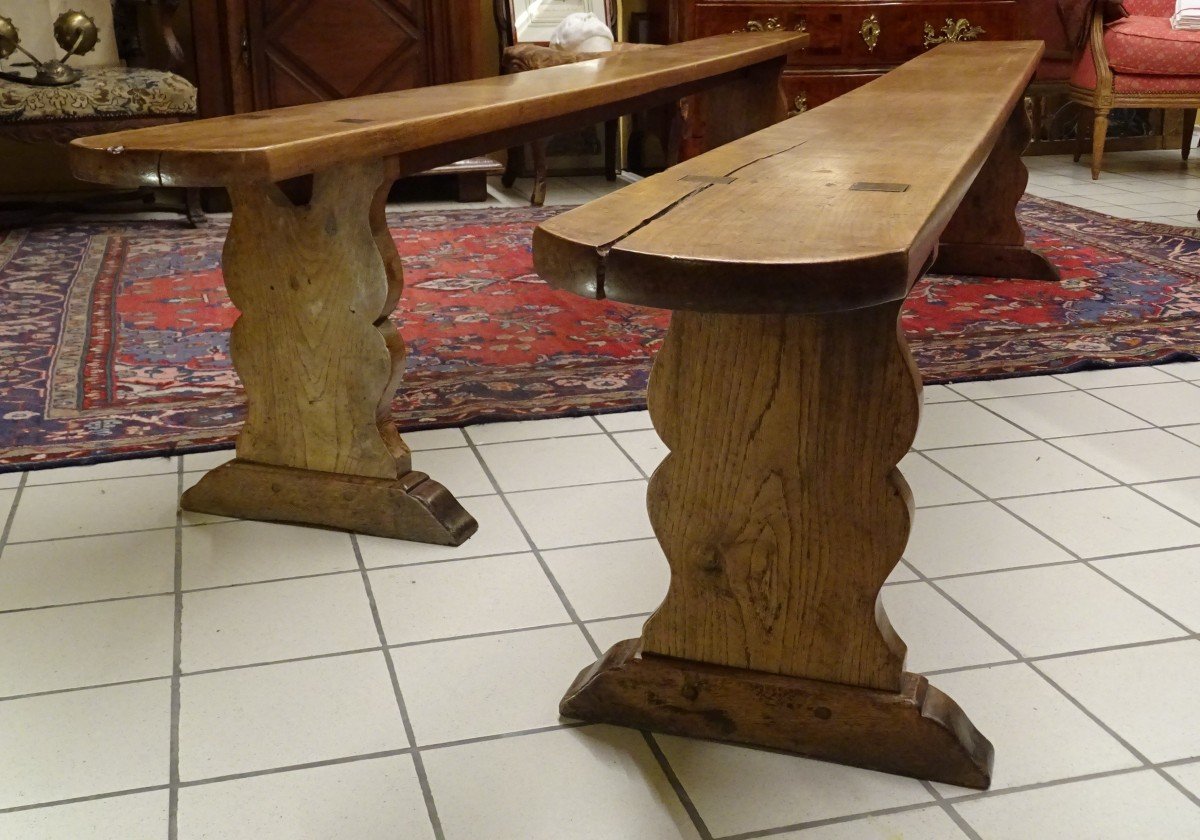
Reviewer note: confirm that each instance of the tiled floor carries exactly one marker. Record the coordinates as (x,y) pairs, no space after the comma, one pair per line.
(166,675)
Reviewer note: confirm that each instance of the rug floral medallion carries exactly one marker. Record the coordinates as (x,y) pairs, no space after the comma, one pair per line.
(114,338)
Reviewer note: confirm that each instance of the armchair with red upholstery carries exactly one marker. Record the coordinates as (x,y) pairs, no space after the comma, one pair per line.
(1134,60)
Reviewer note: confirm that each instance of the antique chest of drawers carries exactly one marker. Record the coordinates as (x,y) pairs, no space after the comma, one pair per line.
(851,42)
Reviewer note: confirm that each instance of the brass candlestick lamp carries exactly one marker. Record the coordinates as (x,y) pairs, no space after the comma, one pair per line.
(74,31)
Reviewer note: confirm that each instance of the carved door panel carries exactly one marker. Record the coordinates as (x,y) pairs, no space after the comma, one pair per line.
(312,50)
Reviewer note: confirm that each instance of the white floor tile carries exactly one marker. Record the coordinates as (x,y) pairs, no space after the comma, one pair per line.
(1189,371)
(1141,805)
(95,507)
(1181,496)
(1070,413)
(10,480)
(951,541)
(265,622)
(498,534)
(938,635)
(939,394)
(1147,694)
(592,514)
(645,447)
(1138,456)
(1187,775)
(962,424)
(532,429)
(613,578)
(83,743)
(1021,713)
(42,574)
(1164,405)
(557,462)
(87,644)
(590,782)
(377,799)
(461,597)
(1057,609)
(138,816)
(931,485)
(1016,387)
(930,823)
(608,632)
(428,439)
(458,470)
(282,715)
(1112,520)
(111,469)
(626,421)
(489,685)
(738,790)
(1114,377)
(207,460)
(245,552)
(1168,579)
(1019,469)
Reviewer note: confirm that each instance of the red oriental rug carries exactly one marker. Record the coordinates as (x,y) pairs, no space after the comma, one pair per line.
(114,337)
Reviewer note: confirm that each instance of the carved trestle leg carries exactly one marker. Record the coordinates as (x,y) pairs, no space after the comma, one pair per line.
(320,361)
(781,513)
(984,237)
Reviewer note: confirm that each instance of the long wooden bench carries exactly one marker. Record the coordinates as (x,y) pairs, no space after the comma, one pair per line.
(315,274)
(787,396)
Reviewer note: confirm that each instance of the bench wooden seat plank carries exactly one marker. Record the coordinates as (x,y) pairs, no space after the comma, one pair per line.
(786,395)
(421,125)
(311,266)
(794,235)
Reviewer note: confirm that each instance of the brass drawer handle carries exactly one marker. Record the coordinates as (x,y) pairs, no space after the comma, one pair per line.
(800,105)
(870,31)
(772,25)
(954,30)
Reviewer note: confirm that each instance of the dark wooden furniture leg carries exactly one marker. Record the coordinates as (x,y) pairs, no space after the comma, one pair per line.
(516,162)
(1189,126)
(984,237)
(782,512)
(320,360)
(540,170)
(612,142)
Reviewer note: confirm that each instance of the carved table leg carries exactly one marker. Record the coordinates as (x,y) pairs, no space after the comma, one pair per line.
(781,512)
(984,237)
(320,360)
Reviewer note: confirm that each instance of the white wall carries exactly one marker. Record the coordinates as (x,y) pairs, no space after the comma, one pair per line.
(35,20)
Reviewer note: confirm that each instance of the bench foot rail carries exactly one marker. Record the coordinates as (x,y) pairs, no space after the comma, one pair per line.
(917,731)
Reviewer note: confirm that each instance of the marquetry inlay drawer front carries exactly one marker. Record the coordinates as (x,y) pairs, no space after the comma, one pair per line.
(864,33)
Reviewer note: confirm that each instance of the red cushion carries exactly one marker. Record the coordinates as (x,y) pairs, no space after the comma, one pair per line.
(1085,77)
(1152,8)
(1148,45)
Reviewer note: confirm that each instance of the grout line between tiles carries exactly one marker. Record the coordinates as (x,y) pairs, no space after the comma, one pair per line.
(37,806)
(291,768)
(950,812)
(419,765)
(664,765)
(176,665)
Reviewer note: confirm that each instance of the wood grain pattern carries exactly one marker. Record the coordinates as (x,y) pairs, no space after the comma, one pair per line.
(780,508)
(783,230)
(917,731)
(425,127)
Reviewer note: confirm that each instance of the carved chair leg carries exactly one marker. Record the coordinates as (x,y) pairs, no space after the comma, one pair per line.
(984,237)
(781,512)
(1189,127)
(512,169)
(1099,135)
(320,360)
(540,170)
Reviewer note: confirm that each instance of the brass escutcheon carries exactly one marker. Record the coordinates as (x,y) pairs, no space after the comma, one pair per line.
(870,31)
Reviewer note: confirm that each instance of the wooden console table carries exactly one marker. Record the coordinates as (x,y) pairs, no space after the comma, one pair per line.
(312,268)
(787,396)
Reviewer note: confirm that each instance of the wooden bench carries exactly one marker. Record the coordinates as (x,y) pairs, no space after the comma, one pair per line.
(787,396)
(315,274)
